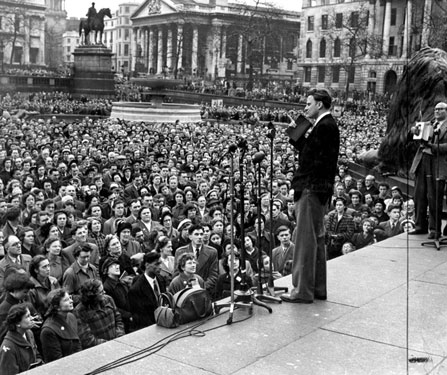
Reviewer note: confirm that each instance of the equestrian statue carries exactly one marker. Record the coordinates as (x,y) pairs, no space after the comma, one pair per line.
(94,22)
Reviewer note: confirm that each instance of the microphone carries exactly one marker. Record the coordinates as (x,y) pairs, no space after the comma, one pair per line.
(258,157)
(232,148)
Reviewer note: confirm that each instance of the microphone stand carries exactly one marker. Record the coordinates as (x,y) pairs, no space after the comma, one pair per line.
(259,290)
(242,298)
(271,289)
(436,242)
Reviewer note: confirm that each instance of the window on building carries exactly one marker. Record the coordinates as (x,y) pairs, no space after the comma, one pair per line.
(324,22)
(352,48)
(77,40)
(393,16)
(126,64)
(68,40)
(119,33)
(126,50)
(309,49)
(307,73)
(1,22)
(310,23)
(321,73)
(372,74)
(119,49)
(392,48)
(18,52)
(33,55)
(323,48)
(339,20)
(354,19)
(289,64)
(68,48)
(126,10)
(351,75)
(336,74)
(337,47)
(126,34)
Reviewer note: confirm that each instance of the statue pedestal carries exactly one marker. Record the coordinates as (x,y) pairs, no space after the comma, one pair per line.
(93,74)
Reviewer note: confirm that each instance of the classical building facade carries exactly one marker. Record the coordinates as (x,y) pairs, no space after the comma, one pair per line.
(392,31)
(22,36)
(117,36)
(213,39)
(55,26)
(70,40)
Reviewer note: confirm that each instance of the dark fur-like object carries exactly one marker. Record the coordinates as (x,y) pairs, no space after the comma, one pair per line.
(422,85)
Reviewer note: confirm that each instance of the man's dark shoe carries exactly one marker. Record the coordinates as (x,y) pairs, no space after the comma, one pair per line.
(418,231)
(287,298)
(433,236)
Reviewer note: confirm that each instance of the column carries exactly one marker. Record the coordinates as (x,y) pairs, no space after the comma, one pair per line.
(215,51)
(150,64)
(146,48)
(195,48)
(239,54)
(426,23)
(406,48)
(372,10)
(169,59)
(179,52)
(133,50)
(386,28)
(160,51)
(223,51)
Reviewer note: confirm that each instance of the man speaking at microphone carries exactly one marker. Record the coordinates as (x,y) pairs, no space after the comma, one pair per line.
(313,186)
(425,170)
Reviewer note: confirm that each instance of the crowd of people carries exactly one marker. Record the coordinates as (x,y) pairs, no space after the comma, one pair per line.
(100,216)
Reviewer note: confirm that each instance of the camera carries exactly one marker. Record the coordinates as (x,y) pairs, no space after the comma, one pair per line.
(422,131)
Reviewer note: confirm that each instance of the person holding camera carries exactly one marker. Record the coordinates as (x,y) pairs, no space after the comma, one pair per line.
(430,167)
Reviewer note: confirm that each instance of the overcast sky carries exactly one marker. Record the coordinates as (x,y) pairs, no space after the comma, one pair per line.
(78,8)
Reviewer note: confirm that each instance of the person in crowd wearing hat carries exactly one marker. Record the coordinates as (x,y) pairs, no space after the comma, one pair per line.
(207,262)
(282,256)
(366,236)
(313,185)
(98,318)
(379,210)
(391,227)
(13,255)
(117,288)
(129,245)
(183,238)
(80,271)
(59,334)
(144,292)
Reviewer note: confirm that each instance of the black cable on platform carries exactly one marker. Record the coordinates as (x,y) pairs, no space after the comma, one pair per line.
(157,346)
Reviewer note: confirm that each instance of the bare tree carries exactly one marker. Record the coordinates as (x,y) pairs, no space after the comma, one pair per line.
(259,22)
(19,25)
(352,40)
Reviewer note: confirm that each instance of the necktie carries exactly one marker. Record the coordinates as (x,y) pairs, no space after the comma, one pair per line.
(197,252)
(156,288)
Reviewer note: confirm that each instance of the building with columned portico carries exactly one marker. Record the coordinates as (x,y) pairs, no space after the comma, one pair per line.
(204,38)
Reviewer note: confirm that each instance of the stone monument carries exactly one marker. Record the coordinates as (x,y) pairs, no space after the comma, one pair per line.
(93,73)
